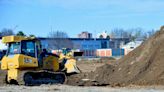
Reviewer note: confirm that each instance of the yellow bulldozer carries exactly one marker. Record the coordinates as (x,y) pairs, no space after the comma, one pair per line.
(28,64)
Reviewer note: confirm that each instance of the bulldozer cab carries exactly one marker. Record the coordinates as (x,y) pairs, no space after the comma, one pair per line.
(22,52)
(26,47)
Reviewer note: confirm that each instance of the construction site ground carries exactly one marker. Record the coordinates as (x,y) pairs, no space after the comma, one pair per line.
(85,67)
(66,88)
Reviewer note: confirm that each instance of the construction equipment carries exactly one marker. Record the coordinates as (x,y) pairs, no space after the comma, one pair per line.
(26,64)
(68,61)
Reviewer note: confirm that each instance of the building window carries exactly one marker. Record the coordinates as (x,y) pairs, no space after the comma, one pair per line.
(90,46)
(84,46)
(104,44)
(96,46)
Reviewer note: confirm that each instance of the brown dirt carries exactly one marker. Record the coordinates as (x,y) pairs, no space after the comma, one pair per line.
(2,77)
(142,66)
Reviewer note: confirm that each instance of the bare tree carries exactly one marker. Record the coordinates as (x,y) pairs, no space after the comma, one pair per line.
(59,40)
(133,34)
(145,36)
(136,34)
(120,33)
(58,34)
(148,34)
(151,33)
(6,32)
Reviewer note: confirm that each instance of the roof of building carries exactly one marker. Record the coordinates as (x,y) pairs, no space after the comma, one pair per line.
(132,45)
(43,38)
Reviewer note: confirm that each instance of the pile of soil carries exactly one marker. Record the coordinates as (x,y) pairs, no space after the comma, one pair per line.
(142,66)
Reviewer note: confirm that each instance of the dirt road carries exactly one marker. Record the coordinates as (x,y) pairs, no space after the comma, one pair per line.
(65,88)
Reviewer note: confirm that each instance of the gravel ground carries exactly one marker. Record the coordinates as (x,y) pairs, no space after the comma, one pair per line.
(65,88)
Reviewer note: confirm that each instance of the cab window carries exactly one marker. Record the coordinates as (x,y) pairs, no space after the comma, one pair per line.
(14,48)
(28,48)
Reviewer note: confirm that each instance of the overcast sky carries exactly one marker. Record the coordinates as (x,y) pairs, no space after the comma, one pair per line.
(73,16)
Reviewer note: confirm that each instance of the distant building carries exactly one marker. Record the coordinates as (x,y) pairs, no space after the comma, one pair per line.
(80,43)
(85,35)
(131,46)
(90,45)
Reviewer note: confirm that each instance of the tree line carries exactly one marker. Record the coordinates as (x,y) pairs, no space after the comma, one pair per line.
(60,39)
(8,32)
(133,34)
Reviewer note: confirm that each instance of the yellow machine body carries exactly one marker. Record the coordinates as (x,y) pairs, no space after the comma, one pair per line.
(9,39)
(15,63)
(18,61)
(51,63)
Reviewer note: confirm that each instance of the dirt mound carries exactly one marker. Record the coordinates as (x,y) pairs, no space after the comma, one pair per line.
(142,66)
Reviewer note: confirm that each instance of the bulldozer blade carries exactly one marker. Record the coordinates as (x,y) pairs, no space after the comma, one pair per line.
(71,67)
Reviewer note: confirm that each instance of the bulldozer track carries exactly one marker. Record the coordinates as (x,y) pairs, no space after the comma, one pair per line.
(30,78)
